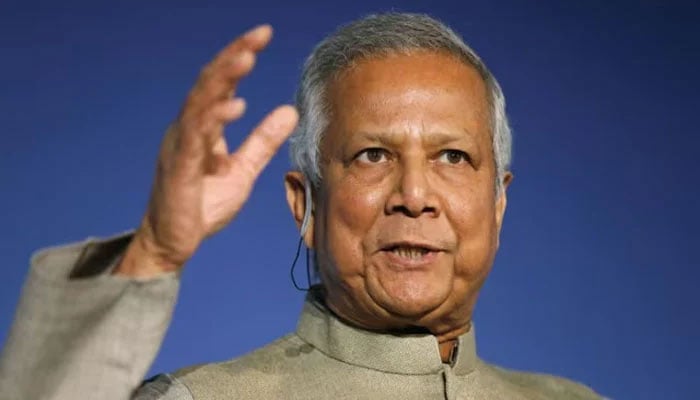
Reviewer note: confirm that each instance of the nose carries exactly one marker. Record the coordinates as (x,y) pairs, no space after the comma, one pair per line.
(413,194)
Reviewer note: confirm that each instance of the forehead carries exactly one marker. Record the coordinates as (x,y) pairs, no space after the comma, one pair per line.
(417,93)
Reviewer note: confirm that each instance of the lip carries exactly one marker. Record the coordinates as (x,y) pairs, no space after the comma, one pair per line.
(399,263)
(410,243)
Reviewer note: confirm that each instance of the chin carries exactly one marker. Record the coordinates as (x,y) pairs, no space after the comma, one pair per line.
(408,297)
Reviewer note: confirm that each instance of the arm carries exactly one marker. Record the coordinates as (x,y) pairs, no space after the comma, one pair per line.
(92,331)
(80,332)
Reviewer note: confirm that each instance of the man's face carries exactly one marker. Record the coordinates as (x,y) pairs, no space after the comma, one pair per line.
(406,221)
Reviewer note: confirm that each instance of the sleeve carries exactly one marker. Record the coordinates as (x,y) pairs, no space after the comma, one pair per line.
(163,387)
(80,332)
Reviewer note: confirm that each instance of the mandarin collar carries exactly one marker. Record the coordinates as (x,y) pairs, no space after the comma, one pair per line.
(408,354)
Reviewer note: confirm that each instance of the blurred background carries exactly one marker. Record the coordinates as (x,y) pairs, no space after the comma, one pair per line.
(597,275)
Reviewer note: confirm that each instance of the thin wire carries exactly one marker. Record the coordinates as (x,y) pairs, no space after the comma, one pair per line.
(294,264)
(308,270)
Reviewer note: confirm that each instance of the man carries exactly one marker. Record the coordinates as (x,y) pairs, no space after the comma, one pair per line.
(401,160)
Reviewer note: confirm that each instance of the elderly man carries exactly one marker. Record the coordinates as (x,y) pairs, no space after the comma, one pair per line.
(401,157)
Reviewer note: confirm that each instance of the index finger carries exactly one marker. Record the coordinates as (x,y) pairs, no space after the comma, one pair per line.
(219,78)
(255,40)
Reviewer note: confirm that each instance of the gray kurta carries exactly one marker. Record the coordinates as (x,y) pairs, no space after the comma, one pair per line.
(81,333)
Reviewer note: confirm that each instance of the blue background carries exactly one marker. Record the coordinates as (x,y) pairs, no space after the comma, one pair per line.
(597,276)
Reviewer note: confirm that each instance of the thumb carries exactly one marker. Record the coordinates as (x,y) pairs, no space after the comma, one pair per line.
(259,147)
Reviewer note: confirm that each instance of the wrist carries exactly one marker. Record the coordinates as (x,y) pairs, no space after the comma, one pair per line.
(143,260)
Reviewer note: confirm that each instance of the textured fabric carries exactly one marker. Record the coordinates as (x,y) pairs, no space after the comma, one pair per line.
(164,386)
(81,333)
(405,354)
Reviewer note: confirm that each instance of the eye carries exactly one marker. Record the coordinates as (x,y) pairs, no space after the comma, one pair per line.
(372,155)
(453,157)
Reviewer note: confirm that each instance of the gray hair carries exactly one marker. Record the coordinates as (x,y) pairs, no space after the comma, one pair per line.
(376,36)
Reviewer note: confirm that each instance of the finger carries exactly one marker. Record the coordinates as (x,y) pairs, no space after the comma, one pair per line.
(220,147)
(213,87)
(254,40)
(259,147)
(225,111)
(238,52)
(220,77)
(198,139)
(218,160)
(216,117)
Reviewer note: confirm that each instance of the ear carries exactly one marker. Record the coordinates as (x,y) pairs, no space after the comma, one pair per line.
(502,201)
(295,186)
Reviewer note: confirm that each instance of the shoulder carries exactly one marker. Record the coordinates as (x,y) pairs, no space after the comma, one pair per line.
(263,371)
(287,364)
(249,376)
(540,386)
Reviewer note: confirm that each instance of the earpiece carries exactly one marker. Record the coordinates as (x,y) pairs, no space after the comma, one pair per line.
(308,203)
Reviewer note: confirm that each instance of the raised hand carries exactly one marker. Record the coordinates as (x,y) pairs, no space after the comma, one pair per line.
(199,186)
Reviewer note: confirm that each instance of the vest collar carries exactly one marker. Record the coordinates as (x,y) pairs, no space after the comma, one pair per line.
(409,354)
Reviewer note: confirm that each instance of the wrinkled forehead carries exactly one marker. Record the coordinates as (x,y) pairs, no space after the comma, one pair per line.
(420,93)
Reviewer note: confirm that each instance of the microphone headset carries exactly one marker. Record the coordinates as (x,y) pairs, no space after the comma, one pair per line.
(308,204)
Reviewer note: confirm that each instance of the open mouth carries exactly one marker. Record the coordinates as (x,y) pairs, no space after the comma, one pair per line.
(409,252)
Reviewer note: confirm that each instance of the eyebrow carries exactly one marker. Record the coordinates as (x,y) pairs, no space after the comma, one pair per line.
(431,138)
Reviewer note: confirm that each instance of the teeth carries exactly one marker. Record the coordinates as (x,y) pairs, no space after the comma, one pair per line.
(410,252)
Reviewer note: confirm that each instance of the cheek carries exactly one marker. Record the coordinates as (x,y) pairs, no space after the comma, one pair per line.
(350,215)
(474,224)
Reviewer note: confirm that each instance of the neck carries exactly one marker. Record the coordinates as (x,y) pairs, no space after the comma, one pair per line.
(447,349)
(447,342)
